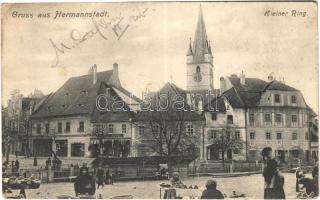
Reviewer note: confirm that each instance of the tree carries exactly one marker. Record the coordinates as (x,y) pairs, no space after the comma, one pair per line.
(227,141)
(171,130)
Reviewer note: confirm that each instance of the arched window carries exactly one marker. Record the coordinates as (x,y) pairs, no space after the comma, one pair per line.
(198,69)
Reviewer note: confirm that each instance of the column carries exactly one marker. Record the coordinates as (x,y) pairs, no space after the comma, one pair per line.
(69,148)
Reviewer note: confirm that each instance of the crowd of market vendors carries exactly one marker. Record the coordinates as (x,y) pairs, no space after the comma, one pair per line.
(88,181)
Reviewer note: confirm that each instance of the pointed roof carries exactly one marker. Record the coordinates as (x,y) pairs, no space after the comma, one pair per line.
(190,49)
(200,45)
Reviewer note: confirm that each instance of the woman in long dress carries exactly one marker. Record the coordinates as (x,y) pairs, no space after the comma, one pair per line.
(274,182)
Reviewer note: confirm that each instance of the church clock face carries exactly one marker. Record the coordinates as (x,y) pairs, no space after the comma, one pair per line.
(197,76)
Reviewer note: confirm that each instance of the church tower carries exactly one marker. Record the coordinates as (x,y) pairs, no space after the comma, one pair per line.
(200,60)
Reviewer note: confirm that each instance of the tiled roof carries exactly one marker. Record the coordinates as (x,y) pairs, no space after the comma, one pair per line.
(249,94)
(119,110)
(276,85)
(76,96)
(217,105)
(170,90)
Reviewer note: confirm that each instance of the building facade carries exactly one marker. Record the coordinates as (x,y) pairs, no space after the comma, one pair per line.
(263,114)
(88,116)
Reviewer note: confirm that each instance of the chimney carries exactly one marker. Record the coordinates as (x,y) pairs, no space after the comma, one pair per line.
(94,74)
(115,68)
(222,85)
(270,77)
(242,79)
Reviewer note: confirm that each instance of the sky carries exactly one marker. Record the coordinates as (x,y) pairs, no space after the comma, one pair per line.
(152,43)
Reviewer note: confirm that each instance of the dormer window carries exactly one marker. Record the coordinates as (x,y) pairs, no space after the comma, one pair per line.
(80,104)
(277,98)
(49,107)
(84,92)
(66,94)
(293,99)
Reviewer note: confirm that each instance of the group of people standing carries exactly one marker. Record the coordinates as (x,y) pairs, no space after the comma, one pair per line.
(104,178)
(15,166)
(54,163)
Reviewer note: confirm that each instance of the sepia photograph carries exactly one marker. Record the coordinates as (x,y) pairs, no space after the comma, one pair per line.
(160,100)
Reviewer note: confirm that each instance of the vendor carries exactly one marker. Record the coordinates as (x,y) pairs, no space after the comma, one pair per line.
(84,183)
(175,180)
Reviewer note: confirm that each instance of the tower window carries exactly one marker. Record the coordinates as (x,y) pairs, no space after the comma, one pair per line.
(198,69)
(230,119)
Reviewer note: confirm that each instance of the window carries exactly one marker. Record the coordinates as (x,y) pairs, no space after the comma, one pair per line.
(252,135)
(190,129)
(279,136)
(278,118)
(277,98)
(294,136)
(77,150)
(293,99)
(268,136)
(141,130)
(156,129)
(67,130)
(124,128)
(214,116)
(251,119)
(39,128)
(294,118)
(81,126)
(212,134)
(47,128)
(228,134)
(59,127)
(267,117)
(110,128)
(230,119)
(198,69)
(307,136)
(237,135)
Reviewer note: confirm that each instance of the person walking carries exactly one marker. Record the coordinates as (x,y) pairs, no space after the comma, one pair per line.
(299,175)
(211,192)
(107,178)
(35,161)
(17,164)
(100,177)
(273,179)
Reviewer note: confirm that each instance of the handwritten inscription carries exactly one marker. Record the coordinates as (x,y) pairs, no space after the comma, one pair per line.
(117,25)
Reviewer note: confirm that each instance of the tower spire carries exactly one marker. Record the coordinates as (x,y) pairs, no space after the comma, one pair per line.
(190,49)
(201,46)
